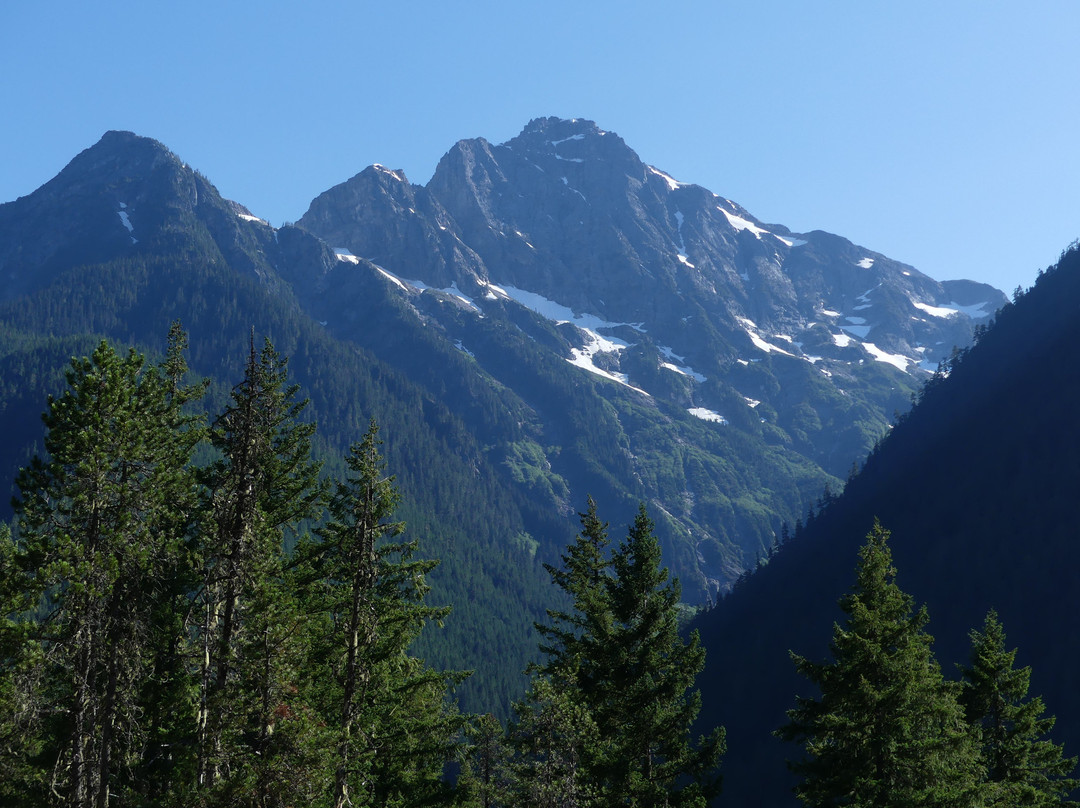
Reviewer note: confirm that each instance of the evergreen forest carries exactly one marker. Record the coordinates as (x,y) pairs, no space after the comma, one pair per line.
(196,613)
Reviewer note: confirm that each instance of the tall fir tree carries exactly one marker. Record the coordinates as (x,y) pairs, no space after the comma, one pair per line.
(252,717)
(104,520)
(485,780)
(1022,766)
(554,736)
(394,725)
(22,705)
(573,640)
(618,658)
(887,729)
(650,694)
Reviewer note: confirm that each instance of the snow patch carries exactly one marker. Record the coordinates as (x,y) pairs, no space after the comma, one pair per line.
(975,311)
(524,238)
(388,275)
(739,223)
(589,324)
(453,291)
(566,182)
(672,183)
(759,342)
(842,340)
(556,143)
(383,169)
(866,263)
(679,219)
(126,221)
(583,358)
(676,364)
(684,371)
(343,254)
(247,217)
(896,360)
(935,311)
(707,415)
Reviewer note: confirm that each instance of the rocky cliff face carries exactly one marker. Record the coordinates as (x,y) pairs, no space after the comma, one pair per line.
(568,212)
(594,325)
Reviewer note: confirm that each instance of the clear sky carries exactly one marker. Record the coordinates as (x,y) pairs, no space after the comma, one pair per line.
(945,134)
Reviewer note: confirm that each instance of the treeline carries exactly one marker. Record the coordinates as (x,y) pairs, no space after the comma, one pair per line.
(890,730)
(160,646)
(194,616)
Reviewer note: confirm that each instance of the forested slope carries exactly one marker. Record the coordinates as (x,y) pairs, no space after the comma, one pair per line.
(978,486)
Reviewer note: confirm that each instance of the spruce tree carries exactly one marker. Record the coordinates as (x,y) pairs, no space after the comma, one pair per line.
(394,726)
(618,658)
(649,696)
(554,735)
(253,721)
(485,780)
(22,704)
(1022,767)
(573,641)
(887,729)
(104,520)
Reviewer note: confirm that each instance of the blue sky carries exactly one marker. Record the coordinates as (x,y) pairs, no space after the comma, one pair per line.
(941,134)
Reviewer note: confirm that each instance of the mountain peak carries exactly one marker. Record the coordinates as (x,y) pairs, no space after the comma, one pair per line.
(124,147)
(577,146)
(562,127)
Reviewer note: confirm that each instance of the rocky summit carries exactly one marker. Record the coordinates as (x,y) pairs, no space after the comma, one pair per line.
(586,323)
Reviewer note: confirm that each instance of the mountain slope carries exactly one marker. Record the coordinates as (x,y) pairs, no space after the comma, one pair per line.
(203,260)
(546,319)
(978,486)
(797,349)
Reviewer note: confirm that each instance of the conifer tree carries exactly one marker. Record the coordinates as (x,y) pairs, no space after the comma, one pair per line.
(887,729)
(252,717)
(395,728)
(485,774)
(553,736)
(618,657)
(1022,767)
(651,673)
(573,641)
(103,521)
(21,703)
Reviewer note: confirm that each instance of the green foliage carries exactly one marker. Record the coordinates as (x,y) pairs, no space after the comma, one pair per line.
(887,729)
(104,524)
(614,697)
(157,643)
(393,728)
(1022,766)
(485,775)
(554,738)
(253,632)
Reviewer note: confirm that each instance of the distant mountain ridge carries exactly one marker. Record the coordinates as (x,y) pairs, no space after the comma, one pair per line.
(662,286)
(568,211)
(546,319)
